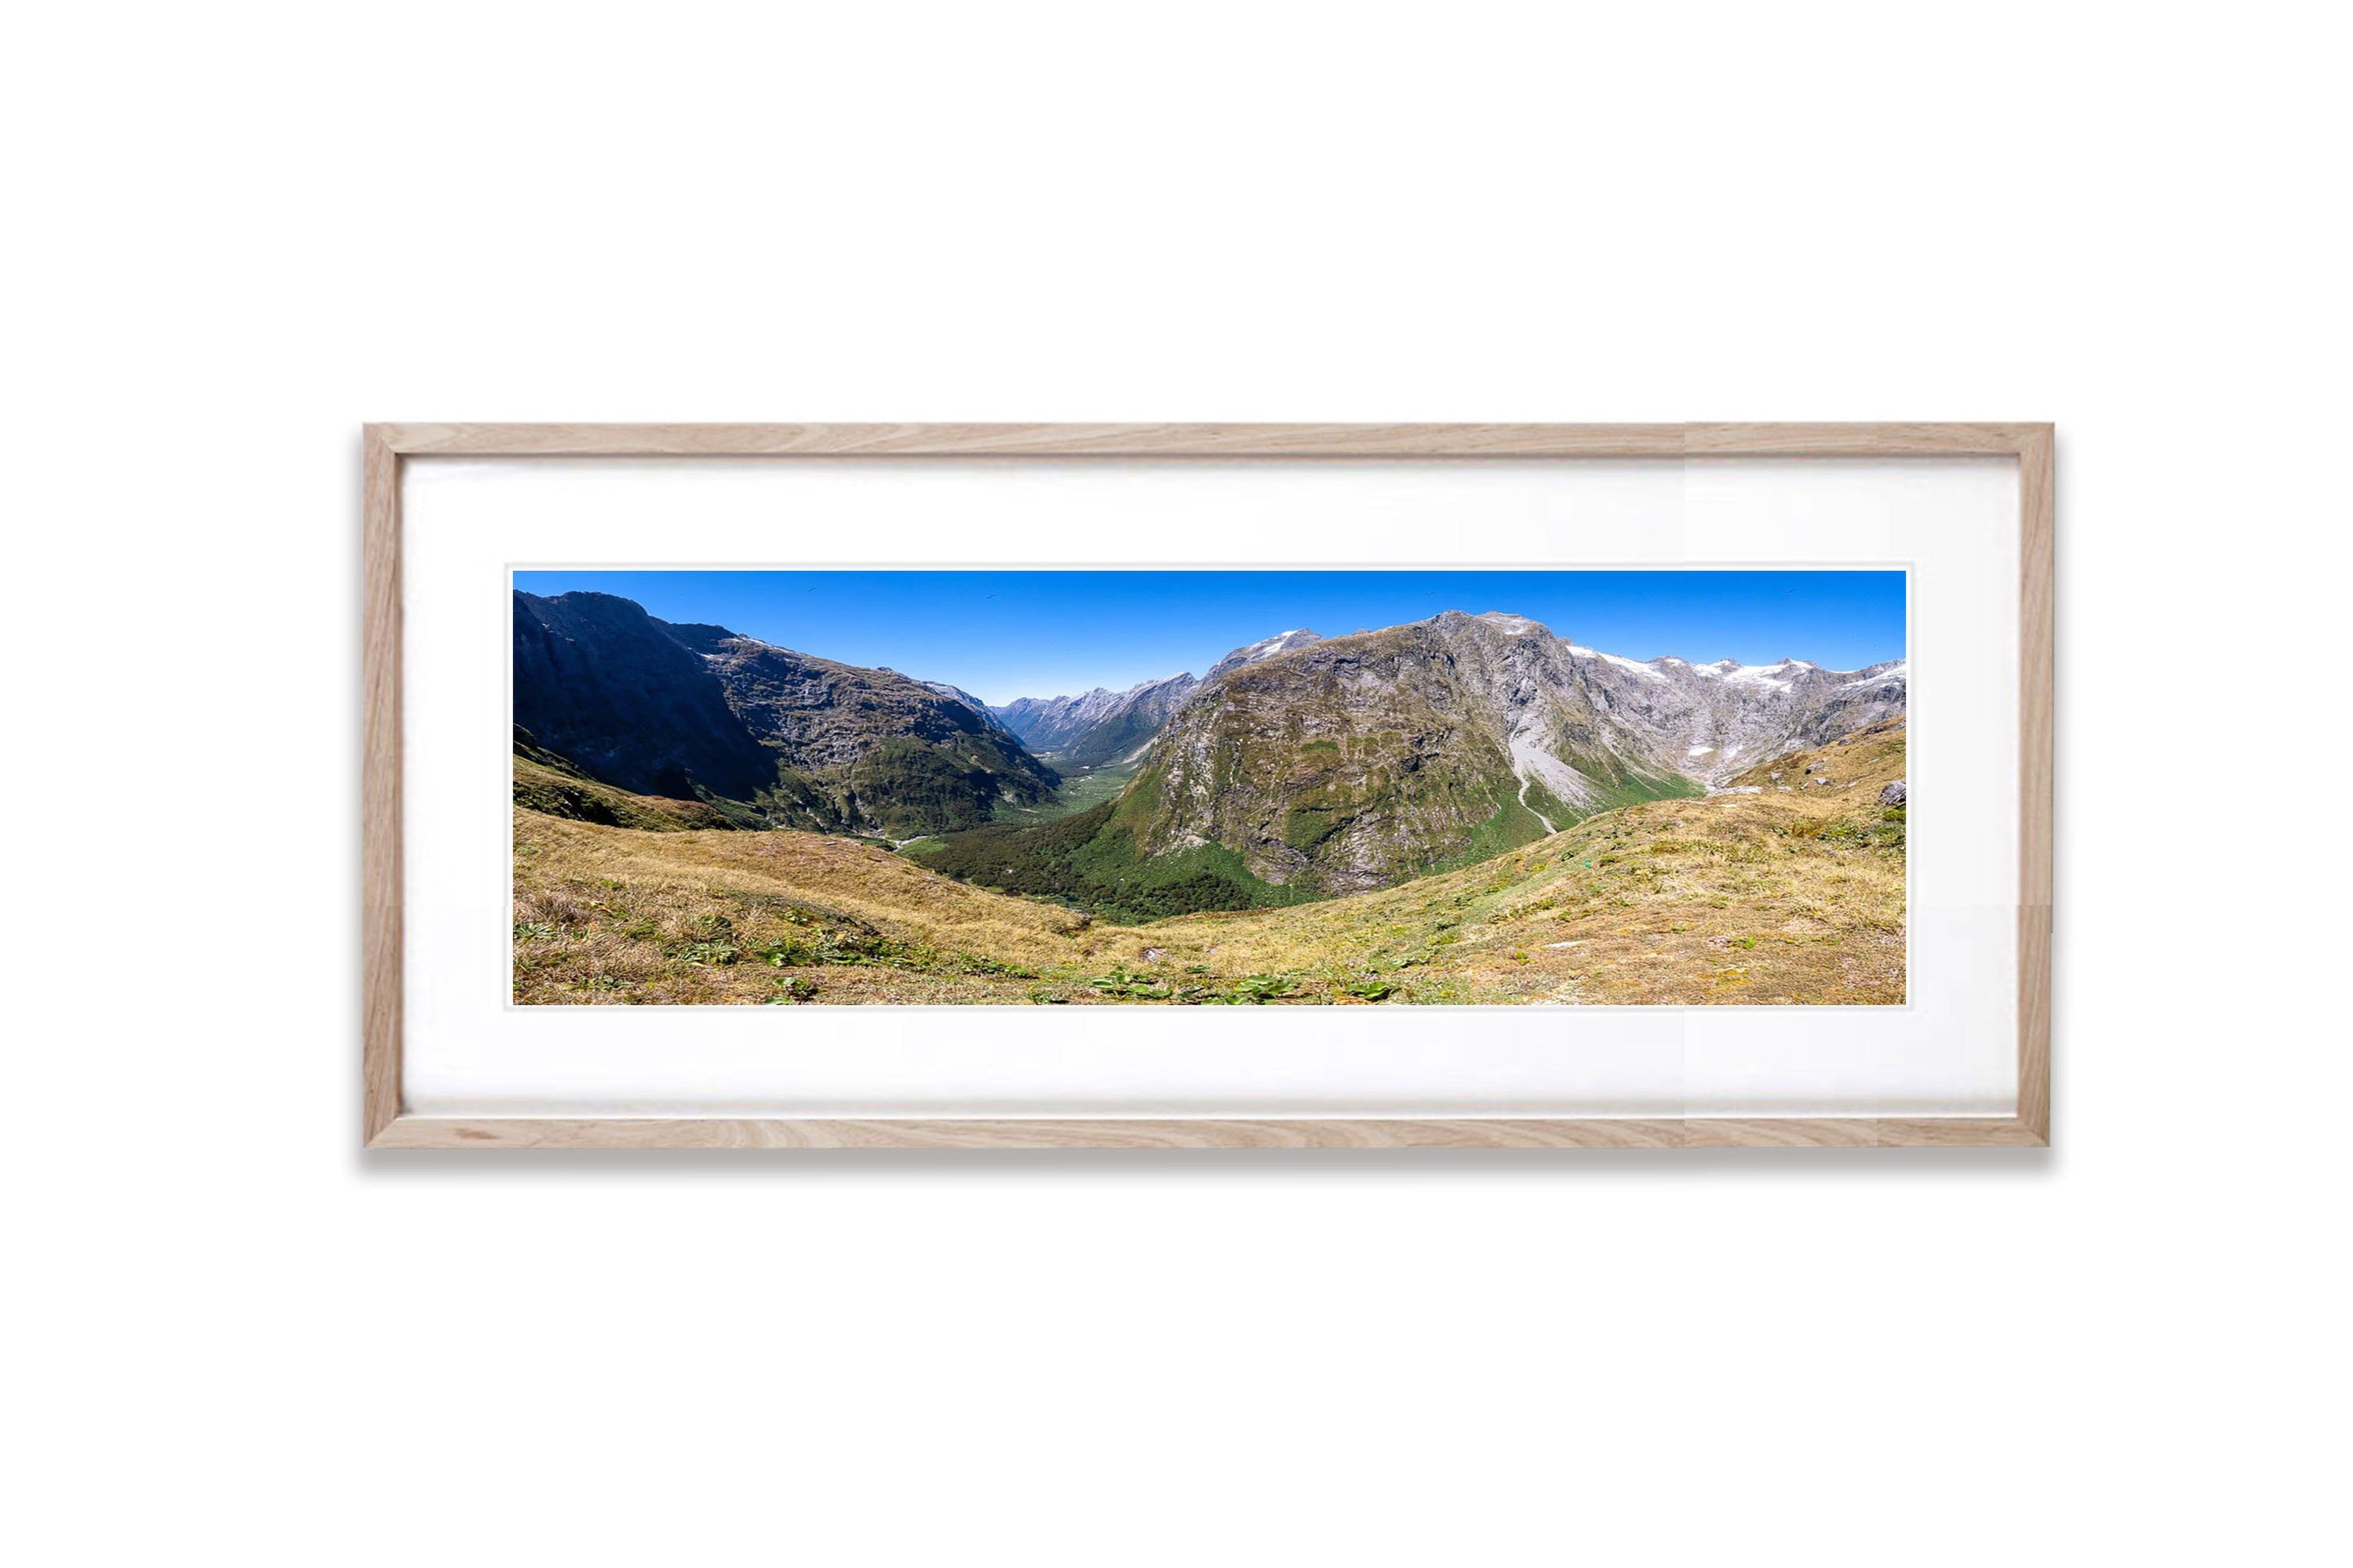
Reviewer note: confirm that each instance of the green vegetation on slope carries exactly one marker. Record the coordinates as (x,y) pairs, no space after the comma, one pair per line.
(1090,860)
(1094,859)
(1516,823)
(1622,785)
(1512,825)
(906,786)
(1080,788)
(1794,895)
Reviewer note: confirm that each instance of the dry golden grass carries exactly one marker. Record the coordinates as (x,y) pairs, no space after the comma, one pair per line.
(1790,895)
(569,795)
(614,914)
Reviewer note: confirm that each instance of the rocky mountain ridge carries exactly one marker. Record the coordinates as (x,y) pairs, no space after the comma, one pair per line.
(1333,765)
(1260,652)
(695,712)
(1101,726)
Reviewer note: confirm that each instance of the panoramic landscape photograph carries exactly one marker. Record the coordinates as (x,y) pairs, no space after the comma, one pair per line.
(1171,788)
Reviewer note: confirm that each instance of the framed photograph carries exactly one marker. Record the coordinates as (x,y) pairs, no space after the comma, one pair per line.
(1031,786)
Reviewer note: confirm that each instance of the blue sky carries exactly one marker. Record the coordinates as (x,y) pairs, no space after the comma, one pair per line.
(1003,635)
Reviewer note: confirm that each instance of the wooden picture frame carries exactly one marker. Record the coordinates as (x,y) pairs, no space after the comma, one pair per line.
(385,447)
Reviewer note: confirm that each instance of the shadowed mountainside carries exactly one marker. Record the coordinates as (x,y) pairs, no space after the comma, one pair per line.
(699,713)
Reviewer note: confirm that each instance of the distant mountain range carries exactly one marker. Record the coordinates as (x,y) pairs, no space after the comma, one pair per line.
(1099,726)
(1299,766)
(1102,727)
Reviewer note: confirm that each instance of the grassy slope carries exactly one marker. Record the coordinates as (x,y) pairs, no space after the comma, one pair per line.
(1792,895)
(1516,823)
(559,792)
(608,914)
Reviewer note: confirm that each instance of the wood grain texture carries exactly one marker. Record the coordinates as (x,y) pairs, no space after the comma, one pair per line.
(380,862)
(497,1133)
(387,447)
(1653,441)
(1857,440)
(2037,735)
(1665,441)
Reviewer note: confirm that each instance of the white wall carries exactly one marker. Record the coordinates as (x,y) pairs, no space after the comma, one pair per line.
(241,230)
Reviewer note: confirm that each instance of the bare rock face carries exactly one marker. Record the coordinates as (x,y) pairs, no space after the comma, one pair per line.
(1893,795)
(816,714)
(1727,718)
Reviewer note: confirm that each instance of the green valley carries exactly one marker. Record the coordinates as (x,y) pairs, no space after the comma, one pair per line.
(1460,809)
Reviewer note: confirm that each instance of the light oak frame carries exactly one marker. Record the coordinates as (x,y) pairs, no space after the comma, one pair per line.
(385,448)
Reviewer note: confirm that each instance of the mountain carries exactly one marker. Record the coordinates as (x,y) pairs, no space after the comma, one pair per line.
(1260,652)
(1098,726)
(1350,762)
(692,711)
(1101,726)
(1329,767)
(604,686)
(1712,721)
(960,695)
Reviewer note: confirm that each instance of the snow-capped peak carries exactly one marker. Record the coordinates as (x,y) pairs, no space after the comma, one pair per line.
(1509,624)
(1899,670)
(1264,648)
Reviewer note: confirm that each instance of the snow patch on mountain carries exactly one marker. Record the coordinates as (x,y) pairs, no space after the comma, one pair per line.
(1260,652)
(1632,667)
(956,692)
(1267,648)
